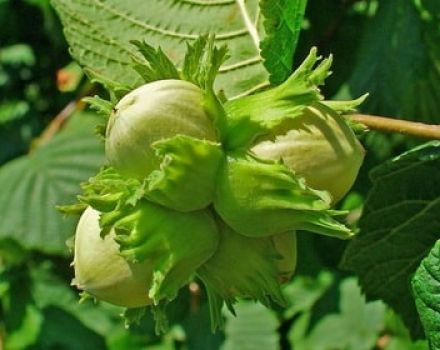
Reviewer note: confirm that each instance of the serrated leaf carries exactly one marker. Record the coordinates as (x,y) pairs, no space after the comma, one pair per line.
(99,33)
(11,110)
(405,81)
(304,291)
(255,328)
(356,327)
(115,88)
(282,24)
(33,185)
(399,226)
(426,287)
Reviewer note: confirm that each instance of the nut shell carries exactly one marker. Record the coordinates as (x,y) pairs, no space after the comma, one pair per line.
(102,271)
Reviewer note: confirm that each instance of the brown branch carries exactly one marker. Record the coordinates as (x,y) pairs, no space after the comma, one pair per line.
(60,119)
(57,123)
(421,130)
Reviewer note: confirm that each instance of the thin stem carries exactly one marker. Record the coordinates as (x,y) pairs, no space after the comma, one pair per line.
(422,130)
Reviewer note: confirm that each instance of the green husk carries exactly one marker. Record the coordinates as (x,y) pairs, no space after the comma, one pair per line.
(187,175)
(242,267)
(252,116)
(261,198)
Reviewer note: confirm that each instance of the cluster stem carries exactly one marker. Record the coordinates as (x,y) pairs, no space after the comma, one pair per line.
(421,130)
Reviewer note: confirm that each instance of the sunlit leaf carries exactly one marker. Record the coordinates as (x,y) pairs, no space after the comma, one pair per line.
(99,34)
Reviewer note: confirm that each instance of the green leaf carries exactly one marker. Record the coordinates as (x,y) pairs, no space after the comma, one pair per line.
(49,290)
(260,198)
(63,331)
(18,54)
(28,331)
(304,291)
(356,327)
(399,226)
(187,176)
(426,287)
(99,34)
(255,328)
(405,81)
(282,23)
(11,110)
(397,336)
(20,319)
(115,88)
(258,114)
(198,330)
(33,185)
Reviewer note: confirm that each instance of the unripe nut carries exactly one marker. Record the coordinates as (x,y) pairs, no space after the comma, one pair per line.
(319,146)
(153,112)
(101,271)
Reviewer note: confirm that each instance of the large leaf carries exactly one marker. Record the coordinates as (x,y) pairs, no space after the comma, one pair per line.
(396,335)
(304,291)
(426,286)
(20,319)
(283,20)
(399,63)
(399,226)
(255,328)
(34,184)
(99,34)
(61,330)
(356,327)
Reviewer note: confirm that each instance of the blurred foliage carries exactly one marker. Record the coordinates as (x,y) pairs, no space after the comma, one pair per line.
(398,228)
(390,48)
(32,50)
